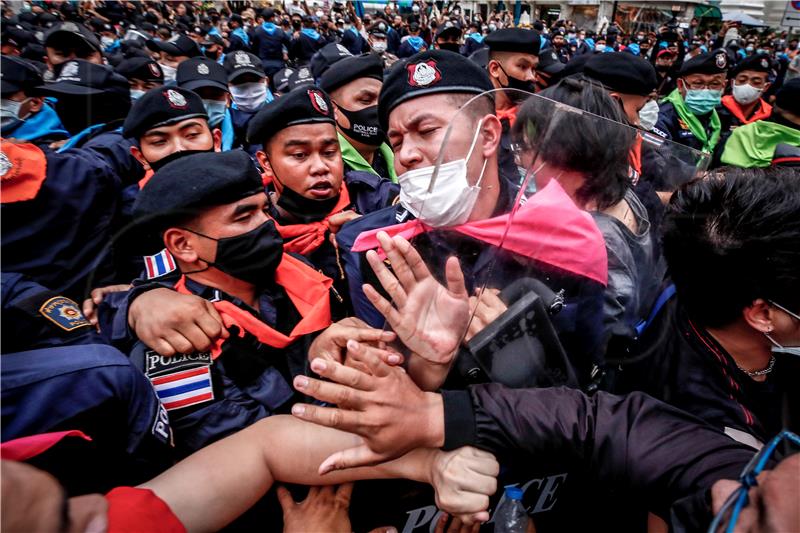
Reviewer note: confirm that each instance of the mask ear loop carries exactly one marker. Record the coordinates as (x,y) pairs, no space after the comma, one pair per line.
(472,148)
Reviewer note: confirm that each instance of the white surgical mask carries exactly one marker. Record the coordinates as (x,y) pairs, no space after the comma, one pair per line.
(136,94)
(648,115)
(451,201)
(107,41)
(745,93)
(599,47)
(216,111)
(379,47)
(9,113)
(249,97)
(169,73)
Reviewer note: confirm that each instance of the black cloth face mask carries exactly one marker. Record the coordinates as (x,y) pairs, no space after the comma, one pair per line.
(306,209)
(364,125)
(252,256)
(520,85)
(156,165)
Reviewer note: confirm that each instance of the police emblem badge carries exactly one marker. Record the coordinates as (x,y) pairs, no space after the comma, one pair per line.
(202,69)
(318,101)
(64,313)
(175,99)
(423,74)
(721,59)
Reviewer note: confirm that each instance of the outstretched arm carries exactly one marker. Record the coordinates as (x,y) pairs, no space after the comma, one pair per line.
(213,486)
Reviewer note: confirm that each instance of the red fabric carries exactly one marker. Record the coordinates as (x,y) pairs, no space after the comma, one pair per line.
(309,292)
(549,228)
(763,110)
(132,510)
(305,238)
(147,175)
(635,156)
(508,114)
(25,173)
(27,447)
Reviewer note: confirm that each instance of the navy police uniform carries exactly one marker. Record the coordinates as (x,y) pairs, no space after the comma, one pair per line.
(269,44)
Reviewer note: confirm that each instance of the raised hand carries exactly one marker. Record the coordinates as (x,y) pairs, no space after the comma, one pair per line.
(429,319)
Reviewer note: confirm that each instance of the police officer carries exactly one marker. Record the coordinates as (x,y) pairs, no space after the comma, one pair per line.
(249,88)
(26,115)
(354,84)
(172,53)
(377,36)
(447,37)
(311,195)
(69,40)
(549,69)
(270,44)
(209,80)
(210,213)
(142,73)
(688,114)
(749,82)
(305,42)
(513,58)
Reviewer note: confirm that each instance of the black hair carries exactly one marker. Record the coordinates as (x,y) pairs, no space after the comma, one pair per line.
(732,238)
(577,142)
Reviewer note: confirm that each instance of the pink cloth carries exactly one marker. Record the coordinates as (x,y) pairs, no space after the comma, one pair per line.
(549,228)
(27,447)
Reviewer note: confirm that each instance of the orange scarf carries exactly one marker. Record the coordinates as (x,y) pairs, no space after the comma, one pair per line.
(763,110)
(305,238)
(509,114)
(309,292)
(24,169)
(635,159)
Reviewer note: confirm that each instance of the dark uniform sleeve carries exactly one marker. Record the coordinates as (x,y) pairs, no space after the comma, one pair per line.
(631,443)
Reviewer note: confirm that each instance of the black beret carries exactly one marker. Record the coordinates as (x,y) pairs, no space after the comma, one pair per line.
(178,45)
(18,75)
(80,77)
(241,62)
(325,57)
(350,69)
(141,68)
(301,106)
(757,62)
(622,73)
(576,65)
(66,34)
(715,62)
(430,72)
(788,97)
(268,13)
(517,40)
(201,72)
(162,106)
(193,182)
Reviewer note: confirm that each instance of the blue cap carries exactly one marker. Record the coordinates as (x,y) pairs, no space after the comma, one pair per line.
(514,493)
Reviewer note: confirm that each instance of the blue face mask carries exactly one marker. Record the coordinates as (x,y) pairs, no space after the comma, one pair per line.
(216,111)
(702,101)
(136,94)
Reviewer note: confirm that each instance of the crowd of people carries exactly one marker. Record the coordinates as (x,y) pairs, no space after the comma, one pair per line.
(316,266)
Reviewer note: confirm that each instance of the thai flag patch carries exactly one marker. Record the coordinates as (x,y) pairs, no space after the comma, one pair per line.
(159,264)
(184,388)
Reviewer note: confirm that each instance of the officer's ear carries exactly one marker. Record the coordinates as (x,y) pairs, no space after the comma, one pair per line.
(178,242)
(137,155)
(493,68)
(263,160)
(491,130)
(35,104)
(758,316)
(339,117)
(216,134)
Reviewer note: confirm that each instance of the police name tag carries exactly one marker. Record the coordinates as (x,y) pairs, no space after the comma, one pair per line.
(64,313)
(182,380)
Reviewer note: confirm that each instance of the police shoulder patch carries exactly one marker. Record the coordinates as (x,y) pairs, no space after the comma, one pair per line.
(64,313)
(182,380)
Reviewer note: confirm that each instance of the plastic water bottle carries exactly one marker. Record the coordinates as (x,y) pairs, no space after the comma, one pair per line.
(511,516)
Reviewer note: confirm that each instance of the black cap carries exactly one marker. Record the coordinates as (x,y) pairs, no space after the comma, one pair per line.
(715,62)
(281,79)
(80,77)
(378,29)
(16,36)
(213,38)
(141,68)
(448,29)
(192,183)
(350,69)
(549,62)
(162,106)
(68,34)
(327,56)
(237,18)
(201,72)
(178,45)
(300,78)
(757,62)
(430,72)
(18,75)
(301,106)
(268,13)
(241,62)
(622,73)
(788,97)
(517,40)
